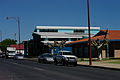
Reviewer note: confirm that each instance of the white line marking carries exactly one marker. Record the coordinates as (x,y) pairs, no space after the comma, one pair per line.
(40,69)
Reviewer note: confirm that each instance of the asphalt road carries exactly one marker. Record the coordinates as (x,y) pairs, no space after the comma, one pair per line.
(28,70)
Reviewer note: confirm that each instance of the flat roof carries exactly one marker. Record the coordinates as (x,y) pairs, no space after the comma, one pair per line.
(61,35)
(64,27)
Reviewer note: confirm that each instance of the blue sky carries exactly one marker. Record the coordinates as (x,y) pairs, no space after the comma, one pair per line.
(104,13)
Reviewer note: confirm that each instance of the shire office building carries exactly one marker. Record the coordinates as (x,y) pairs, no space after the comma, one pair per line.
(49,34)
(43,35)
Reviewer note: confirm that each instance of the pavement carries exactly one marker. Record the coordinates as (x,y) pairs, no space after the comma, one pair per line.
(101,64)
(96,64)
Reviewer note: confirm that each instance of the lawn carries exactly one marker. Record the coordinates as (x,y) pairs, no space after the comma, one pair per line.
(115,62)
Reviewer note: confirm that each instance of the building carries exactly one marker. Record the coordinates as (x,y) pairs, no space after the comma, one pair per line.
(17,49)
(49,34)
(43,35)
(110,50)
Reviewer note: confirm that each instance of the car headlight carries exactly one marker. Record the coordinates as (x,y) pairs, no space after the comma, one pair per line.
(66,58)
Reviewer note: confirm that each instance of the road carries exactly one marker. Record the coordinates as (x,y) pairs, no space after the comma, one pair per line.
(29,70)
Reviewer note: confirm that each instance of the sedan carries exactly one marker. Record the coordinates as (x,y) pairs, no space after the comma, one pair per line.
(18,56)
(45,58)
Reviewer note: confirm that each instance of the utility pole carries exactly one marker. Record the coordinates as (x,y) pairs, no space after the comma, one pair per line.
(89,47)
(18,23)
(0,35)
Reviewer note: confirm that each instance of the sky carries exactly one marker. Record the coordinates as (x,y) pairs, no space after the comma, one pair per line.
(103,13)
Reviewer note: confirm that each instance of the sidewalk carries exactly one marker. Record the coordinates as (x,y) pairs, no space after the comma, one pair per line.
(101,64)
(97,64)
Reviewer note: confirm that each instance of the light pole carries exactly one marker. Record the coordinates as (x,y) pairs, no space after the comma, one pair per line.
(0,36)
(90,52)
(18,22)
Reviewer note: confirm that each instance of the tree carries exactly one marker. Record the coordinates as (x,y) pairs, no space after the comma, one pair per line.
(99,44)
(7,42)
(60,44)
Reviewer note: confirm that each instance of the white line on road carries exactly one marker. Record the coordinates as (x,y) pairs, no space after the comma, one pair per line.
(40,69)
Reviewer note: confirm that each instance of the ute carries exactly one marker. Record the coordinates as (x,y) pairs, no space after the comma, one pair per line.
(65,58)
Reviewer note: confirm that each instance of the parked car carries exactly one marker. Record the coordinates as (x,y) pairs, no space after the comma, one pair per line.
(45,58)
(2,55)
(10,54)
(65,58)
(18,56)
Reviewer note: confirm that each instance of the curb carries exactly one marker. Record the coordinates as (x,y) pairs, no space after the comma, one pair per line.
(101,67)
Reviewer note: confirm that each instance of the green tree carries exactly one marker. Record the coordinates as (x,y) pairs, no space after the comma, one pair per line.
(7,42)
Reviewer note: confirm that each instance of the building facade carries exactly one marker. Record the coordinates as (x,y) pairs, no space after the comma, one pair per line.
(109,50)
(43,35)
(49,34)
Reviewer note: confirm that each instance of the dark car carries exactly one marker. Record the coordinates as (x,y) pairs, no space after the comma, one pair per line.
(45,58)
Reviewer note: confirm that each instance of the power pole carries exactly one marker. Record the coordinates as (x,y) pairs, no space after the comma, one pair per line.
(89,47)
(0,35)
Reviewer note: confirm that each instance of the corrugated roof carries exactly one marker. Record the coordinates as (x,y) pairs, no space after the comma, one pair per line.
(111,35)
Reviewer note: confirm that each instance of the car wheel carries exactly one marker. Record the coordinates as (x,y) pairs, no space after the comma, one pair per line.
(44,61)
(63,62)
(39,61)
(55,62)
(75,64)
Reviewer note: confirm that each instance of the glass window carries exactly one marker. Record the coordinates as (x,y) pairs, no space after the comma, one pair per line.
(78,30)
(43,39)
(74,39)
(57,39)
(48,30)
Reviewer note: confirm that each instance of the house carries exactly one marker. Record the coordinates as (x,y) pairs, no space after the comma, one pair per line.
(111,50)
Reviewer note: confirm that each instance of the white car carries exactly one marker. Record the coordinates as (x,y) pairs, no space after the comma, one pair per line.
(65,58)
(10,54)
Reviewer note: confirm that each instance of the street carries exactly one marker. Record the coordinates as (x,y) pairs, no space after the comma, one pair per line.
(29,70)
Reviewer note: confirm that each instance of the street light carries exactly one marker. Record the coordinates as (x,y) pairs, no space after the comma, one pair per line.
(18,22)
(90,54)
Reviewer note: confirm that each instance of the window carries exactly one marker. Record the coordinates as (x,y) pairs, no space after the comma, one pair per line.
(48,30)
(79,31)
(57,39)
(35,30)
(74,39)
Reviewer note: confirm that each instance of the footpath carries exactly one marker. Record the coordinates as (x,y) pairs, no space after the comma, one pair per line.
(108,64)
(102,64)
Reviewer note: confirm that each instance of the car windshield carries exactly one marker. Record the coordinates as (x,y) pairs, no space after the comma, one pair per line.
(48,56)
(11,51)
(18,54)
(65,53)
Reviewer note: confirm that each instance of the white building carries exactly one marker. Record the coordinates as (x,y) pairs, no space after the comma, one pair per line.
(49,34)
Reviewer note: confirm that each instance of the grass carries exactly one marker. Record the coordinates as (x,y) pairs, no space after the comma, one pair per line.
(115,62)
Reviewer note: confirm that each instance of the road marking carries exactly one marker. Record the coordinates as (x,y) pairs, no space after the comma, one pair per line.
(40,69)
(15,63)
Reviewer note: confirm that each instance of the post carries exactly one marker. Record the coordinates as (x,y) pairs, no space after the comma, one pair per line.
(19,32)
(18,22)
(89,47)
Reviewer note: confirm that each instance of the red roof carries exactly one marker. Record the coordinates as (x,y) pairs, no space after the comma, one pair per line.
(112,35)
(17,46)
